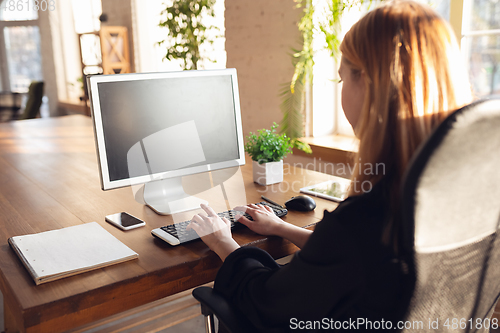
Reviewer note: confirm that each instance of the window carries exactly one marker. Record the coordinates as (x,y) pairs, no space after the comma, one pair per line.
(481,45)
(325,77)
(20,56)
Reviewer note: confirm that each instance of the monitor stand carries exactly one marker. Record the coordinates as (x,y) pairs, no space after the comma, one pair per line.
(167,197)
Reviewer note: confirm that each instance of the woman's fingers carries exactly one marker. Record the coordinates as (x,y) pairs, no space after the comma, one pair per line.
(199,218)
(249,209)
(263,207)
(208,224)
(191,224)
(209,210)
(240,210)
(242,219)
(194,226)
(255,206)
(198,223)
(226,221)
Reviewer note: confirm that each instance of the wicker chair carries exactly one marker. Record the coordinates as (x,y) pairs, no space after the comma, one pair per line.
(451,207)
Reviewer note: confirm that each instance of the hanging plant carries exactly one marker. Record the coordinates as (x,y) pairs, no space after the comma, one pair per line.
(187,32)
(293,93)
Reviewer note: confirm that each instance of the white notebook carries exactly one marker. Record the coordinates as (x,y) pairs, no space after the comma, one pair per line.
(55,254)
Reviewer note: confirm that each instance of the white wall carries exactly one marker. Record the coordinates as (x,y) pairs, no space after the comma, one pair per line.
(48,38)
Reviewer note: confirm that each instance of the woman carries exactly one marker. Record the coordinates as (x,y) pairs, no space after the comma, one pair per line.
(401,76)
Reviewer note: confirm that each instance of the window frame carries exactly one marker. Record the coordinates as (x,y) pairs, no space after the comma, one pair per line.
(467,33)
(4,66)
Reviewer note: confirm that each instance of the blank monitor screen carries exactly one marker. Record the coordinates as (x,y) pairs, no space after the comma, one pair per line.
(150,124)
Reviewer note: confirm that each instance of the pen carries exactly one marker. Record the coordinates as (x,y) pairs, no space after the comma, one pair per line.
(270,201)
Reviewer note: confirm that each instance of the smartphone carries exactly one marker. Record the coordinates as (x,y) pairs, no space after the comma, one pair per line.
(125,221)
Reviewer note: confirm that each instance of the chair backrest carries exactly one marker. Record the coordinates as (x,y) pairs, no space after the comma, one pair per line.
(451,208)
(35,95)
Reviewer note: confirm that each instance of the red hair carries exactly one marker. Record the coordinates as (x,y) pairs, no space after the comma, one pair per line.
(413,79)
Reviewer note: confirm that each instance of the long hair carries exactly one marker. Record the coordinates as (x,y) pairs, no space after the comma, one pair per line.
(414,78)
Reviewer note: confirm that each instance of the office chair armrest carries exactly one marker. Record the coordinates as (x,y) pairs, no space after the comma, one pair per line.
(214,303)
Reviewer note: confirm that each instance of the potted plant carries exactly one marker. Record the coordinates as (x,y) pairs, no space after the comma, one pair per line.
(267,149)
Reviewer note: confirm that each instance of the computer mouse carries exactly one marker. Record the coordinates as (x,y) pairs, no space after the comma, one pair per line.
(302,203)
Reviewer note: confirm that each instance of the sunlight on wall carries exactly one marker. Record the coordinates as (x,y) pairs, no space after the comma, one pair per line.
(328,117)
(324,74)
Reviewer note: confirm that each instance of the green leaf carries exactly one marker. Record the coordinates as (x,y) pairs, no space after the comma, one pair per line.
(293,93)
(186,30)
(301,146)
(268,145)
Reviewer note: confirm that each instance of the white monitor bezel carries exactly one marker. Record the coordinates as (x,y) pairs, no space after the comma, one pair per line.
(106,183)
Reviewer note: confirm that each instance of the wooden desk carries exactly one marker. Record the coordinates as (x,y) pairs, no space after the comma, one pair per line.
(49,180)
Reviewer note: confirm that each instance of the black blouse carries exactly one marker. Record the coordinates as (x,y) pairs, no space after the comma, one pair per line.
(342,273)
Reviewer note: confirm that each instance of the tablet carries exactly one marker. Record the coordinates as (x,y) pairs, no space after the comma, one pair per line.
(335,190)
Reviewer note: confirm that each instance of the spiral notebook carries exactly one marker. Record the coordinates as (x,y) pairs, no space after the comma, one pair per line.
(56,254)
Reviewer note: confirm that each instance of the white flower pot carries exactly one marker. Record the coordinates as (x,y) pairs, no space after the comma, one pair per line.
(267,173)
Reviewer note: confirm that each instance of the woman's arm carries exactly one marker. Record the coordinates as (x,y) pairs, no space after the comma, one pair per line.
(294,234)
(265,222)
(327,271)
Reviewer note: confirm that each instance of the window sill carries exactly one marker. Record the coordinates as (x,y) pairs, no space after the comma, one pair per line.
(331,148)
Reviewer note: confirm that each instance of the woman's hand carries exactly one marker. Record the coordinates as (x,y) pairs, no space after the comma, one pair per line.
(214,231)
(265,222)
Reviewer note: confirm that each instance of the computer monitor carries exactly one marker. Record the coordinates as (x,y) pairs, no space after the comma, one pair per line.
(154,128)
